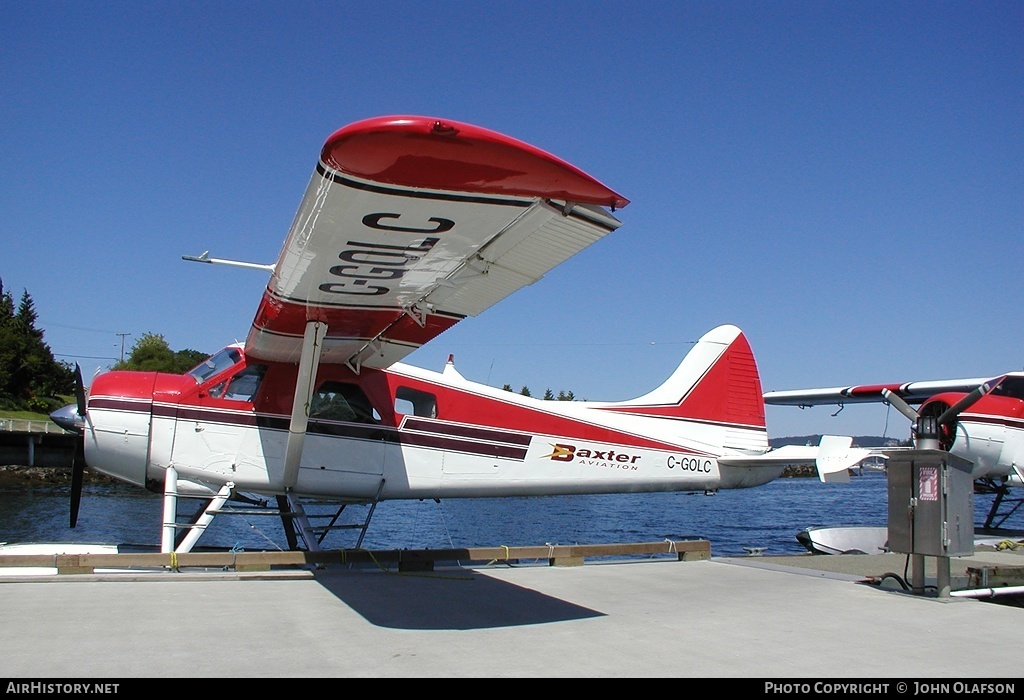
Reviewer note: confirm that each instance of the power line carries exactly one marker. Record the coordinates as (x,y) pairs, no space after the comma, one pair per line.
(76,328)
(122,344)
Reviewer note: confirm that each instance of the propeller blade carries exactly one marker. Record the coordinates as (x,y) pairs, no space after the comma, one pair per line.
(900,405)
(77,477)
(966,402)
(78,462)
(79,391)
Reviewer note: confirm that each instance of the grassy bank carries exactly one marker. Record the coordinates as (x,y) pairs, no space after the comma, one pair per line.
(23,415)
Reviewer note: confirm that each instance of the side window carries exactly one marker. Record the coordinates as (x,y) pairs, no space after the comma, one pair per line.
(244,385)
(342,402)
(415,402)
(241,387)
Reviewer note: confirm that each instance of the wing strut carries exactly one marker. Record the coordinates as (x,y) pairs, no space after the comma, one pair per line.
(205,258)
(309,361)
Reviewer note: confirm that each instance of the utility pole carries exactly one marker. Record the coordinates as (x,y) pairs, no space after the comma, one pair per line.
(122,344)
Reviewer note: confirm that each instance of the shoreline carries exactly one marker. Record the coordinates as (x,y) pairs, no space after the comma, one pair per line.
(12,475)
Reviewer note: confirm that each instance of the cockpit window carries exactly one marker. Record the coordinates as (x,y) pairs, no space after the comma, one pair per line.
(215,364)
(1012,387)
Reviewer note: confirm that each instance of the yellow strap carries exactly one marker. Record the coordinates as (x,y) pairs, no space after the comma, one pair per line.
(505,547)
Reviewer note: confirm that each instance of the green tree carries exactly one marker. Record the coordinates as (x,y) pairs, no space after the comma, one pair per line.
(187,359)
(30,377)
(151,353)
(548,394)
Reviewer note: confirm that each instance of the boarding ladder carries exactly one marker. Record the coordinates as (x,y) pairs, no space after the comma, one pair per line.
(311,520)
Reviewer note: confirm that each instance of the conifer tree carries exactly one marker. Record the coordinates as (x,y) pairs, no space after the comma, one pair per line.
(30,377)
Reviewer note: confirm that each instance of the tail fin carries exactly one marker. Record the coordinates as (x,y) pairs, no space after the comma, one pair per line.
(716,382)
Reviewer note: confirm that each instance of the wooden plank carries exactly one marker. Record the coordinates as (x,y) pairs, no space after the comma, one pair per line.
(407,559)
(995,576)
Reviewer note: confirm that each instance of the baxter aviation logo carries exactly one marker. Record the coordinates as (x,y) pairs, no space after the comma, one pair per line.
(599,458)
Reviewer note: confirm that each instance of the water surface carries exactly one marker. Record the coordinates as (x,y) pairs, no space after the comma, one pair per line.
(766,517)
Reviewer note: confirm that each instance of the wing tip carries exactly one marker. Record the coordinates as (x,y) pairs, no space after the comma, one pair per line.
(433,153)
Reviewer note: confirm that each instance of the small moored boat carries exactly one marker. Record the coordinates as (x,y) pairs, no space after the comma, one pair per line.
(845,540)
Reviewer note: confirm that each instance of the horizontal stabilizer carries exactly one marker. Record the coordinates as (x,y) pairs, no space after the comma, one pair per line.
(836,457)
(832,458)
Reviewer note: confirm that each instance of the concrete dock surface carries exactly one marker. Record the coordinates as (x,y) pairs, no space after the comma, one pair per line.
(770,617)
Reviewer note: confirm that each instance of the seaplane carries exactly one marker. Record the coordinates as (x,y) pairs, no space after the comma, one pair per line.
(979,419)
(409,225)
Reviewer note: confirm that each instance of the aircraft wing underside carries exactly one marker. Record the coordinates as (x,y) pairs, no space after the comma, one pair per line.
(409,225)
(911,392)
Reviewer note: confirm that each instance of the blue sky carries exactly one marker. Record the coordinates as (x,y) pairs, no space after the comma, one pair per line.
(842,180)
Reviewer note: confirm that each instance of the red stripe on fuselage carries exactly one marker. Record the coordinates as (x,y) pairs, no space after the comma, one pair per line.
(469,408)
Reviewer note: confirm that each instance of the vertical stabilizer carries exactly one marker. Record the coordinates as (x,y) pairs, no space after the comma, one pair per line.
(716,382)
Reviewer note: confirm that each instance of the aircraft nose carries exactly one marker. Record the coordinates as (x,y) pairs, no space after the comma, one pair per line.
(68,418)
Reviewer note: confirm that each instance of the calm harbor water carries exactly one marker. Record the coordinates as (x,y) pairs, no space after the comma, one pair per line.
(767,517)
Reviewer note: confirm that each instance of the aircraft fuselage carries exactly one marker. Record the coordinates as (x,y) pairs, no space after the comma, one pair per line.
(424,434)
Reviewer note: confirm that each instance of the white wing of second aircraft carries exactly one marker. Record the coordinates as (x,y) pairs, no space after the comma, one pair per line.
(911,392)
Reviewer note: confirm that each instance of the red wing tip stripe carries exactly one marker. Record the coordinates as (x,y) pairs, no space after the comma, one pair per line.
(420,192)
(428,152)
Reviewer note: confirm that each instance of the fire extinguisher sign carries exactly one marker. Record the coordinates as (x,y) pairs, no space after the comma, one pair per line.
(928,484)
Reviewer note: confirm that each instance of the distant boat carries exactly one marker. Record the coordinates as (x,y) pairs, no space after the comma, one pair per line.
(875,540)
(845,540)
(873,464)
